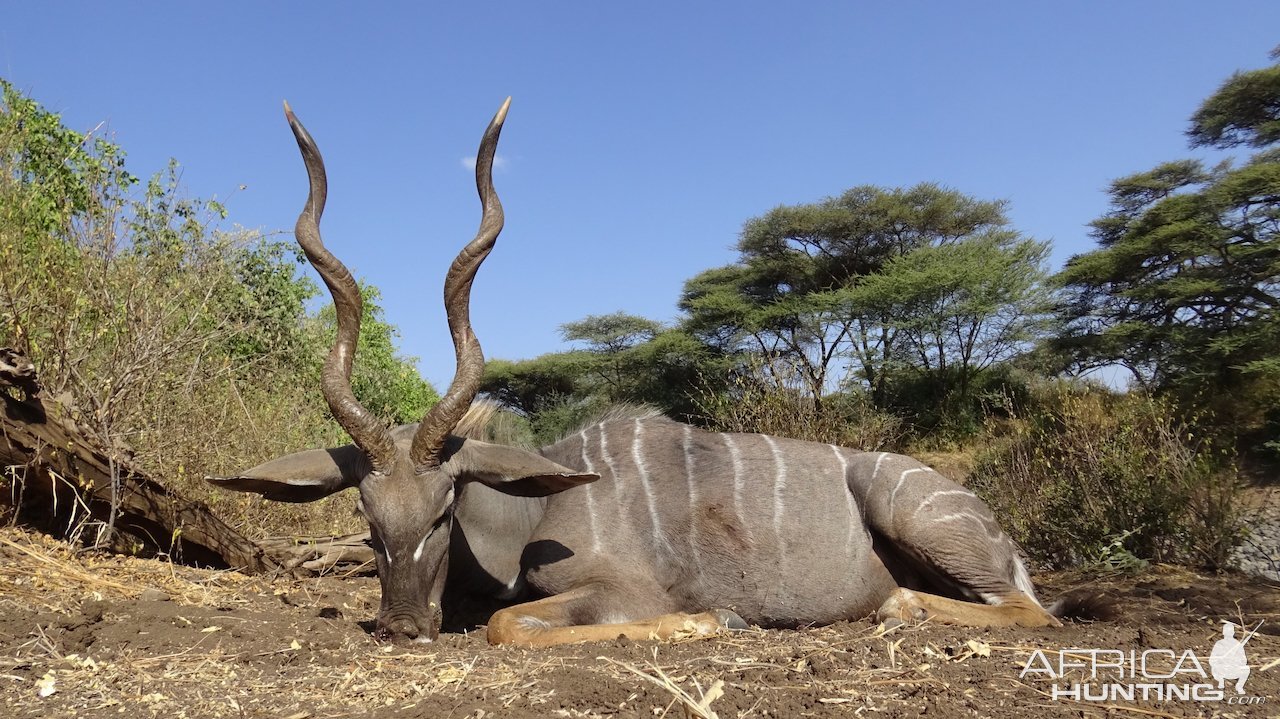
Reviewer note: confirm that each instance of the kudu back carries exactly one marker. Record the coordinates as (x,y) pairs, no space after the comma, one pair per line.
(636,525)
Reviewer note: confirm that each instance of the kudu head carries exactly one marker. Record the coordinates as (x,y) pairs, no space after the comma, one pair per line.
(407,477)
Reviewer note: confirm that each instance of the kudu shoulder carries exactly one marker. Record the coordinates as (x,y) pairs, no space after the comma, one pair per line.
(313,474)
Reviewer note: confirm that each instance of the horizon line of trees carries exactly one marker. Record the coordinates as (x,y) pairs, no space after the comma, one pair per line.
(914,314)
(924,303)
(919,302)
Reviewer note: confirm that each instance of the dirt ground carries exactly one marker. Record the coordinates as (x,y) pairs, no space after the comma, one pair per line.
(88,635)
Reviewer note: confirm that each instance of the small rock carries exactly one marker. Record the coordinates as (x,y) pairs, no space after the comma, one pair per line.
(93,609)
(1259,553)
(329,613)
(151,594)
(892,623)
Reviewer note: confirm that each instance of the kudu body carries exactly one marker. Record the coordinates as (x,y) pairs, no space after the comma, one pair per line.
(637,525)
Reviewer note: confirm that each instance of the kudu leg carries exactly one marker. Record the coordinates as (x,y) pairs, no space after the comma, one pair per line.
(937,536)
(1014,609)
(557,620)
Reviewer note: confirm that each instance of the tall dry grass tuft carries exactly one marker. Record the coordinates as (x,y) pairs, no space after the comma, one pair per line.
(1086,476)
(778,404)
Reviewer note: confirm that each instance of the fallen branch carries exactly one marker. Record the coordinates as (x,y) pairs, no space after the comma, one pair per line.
(348,555)
(56,477)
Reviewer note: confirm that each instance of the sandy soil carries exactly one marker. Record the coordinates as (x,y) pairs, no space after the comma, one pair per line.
(86,635)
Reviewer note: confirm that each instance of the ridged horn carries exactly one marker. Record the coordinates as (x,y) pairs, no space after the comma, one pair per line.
(444,416)
(366,430)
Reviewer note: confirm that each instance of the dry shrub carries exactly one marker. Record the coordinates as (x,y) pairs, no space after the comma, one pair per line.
(1090,477)
(768,402)
(242,425)
(166,339)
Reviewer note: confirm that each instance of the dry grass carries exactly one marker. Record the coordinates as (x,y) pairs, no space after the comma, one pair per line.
(79,638)
(43,573)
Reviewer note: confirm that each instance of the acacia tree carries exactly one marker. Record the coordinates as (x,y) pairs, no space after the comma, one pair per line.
(624,359)
(961,308)
(740,310)
(810,289)
(535,385)
(1243,111)
(608,339)
(1184,288)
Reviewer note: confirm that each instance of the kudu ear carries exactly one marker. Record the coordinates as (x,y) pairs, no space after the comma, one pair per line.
(508,469)
(303,476)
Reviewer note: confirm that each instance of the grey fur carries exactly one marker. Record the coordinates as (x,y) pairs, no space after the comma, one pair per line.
(660,530)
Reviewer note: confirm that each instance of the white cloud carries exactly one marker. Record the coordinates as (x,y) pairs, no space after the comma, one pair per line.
(499,162)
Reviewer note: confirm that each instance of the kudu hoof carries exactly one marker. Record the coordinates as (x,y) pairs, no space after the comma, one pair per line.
(902,607)
(730,620)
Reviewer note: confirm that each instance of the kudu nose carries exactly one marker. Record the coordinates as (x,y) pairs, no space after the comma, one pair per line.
(421,629)
(403,627)
(397,627)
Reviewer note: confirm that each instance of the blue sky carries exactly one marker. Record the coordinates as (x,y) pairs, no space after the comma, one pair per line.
(641,135)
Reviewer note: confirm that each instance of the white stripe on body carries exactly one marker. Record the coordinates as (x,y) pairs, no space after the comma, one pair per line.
(876,471)
(779,486)
(591,502)
(687,445)
(637,454)
(736,458)
(974,518)
(893,496)
(856,519)
(928,501)
(613,474)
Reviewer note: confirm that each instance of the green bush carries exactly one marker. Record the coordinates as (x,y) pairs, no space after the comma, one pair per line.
(1088,476)
(190,346)
(944,419)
